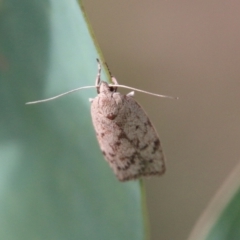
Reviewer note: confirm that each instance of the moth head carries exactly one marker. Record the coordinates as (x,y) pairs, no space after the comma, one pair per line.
(103,87)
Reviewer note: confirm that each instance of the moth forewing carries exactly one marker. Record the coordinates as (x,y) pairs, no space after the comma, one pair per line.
(126,136)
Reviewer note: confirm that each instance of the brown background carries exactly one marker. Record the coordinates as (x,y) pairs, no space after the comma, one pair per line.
(189,49)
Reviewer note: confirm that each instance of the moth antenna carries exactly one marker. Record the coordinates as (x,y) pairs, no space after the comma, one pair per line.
(139,90)
(60,95)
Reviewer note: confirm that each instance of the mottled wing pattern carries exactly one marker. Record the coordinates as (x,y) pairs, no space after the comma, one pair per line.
(126,137)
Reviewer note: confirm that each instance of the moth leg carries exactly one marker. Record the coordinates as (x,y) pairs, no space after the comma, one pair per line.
(114,80)
(131,94)
(109,70)
(98,78)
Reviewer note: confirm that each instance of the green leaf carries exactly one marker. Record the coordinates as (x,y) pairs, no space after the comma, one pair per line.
(221,220)
(55,183)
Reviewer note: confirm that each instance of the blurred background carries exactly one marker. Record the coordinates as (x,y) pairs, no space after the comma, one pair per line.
(188,49)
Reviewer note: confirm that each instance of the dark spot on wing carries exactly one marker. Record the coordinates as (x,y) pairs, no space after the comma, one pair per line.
(148,123)
(132,161)
(156,145)
(123,135)
(104,153)
(111,116)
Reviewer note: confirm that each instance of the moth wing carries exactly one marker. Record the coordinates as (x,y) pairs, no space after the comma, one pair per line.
(127,138)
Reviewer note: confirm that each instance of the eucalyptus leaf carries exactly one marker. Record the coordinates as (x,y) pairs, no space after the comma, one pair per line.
(55,183)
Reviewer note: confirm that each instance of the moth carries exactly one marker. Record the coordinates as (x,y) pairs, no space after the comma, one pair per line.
(127,138)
